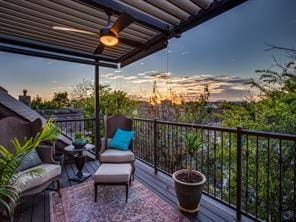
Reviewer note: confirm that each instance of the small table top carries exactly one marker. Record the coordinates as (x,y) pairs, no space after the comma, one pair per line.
(72,148)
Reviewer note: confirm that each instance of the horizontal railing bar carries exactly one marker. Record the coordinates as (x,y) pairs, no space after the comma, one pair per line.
(74,120)
(269,134)
(198,126)
(274,135)
(142,119)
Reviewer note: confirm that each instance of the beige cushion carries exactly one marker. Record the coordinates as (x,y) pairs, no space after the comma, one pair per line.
(28,182)
(117,156)
(113,173)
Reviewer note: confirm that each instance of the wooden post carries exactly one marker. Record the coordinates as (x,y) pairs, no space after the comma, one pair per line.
(97,109)
(239,174)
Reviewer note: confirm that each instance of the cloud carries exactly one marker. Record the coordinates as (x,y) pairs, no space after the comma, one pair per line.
(185,53)
(130,77)
(116,77)
(160,75)
(224,86)
(140,81)
(107,75)
(54,81)
(146,73)
(106,82)
(49,61)
(113,76)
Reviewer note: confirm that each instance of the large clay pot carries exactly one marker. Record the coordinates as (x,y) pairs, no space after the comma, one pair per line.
(188,194)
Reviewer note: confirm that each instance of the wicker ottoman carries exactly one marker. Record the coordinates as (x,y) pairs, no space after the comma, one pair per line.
(113,174)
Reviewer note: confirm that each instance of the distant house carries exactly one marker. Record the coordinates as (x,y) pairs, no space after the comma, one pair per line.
(61,114)
(68,126)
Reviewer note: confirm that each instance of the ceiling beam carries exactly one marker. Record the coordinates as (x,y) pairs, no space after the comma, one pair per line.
(56,49)
(199,4)
(139,54)
(53,56)
(215,9)
(45,55)
(120,8)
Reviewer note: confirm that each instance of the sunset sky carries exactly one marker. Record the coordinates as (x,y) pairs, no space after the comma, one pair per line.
(223,53)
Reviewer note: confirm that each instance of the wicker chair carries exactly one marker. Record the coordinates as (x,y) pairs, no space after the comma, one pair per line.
(12,127)
(113,155)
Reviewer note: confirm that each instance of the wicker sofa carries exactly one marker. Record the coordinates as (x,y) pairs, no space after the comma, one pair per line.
(12,127)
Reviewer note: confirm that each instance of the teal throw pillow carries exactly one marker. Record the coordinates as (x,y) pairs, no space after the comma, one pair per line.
(121,139)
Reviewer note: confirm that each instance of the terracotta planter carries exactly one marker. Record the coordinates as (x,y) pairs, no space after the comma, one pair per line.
(188,194)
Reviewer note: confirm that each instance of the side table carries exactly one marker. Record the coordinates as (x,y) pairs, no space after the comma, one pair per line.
(79,160)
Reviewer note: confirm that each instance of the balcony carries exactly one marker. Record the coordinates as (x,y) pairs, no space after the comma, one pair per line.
(36,208)
(250,175)
(232,161)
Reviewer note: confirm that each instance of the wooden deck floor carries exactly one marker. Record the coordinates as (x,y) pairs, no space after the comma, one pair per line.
(36,208)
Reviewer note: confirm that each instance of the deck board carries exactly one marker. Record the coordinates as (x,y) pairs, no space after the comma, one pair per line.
(162,185)
(36,208)
(38,211)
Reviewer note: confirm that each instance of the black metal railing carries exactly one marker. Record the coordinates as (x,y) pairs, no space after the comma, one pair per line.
(69,127)
(252,172)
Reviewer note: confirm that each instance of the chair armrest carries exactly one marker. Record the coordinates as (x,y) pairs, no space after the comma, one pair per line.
(46,154)
(104,143)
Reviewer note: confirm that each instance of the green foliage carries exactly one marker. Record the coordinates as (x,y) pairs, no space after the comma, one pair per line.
(78,135)
(111,101)
(60,100)
(193,143)
(9,162)
(275,111)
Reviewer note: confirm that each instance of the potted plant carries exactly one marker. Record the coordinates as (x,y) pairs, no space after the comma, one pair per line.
(188,182)
(10,162)
(79,140)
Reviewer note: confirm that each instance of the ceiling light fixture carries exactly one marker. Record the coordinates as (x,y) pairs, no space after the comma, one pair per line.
(108,37)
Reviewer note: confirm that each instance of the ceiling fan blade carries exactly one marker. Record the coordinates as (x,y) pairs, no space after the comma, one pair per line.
(132,43)
(99,49)
(73,30)
(122,22)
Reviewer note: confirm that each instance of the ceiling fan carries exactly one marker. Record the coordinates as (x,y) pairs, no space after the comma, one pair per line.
(109,35)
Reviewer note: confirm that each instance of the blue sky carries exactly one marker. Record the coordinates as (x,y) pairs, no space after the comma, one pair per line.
(223,53)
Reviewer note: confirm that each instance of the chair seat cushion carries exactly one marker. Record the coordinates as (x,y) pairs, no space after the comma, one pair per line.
(117,156)
(113,173)
(27,182)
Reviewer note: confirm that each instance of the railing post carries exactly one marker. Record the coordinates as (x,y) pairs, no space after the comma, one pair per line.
(155,136)
(97,109)
(238,174)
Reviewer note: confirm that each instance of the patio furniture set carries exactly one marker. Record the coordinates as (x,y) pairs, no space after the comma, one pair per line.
(117,164)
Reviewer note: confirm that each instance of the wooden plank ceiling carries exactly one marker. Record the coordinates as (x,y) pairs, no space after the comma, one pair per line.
(28,23)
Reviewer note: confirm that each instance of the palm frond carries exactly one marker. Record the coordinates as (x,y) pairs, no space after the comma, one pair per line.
(9,195)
